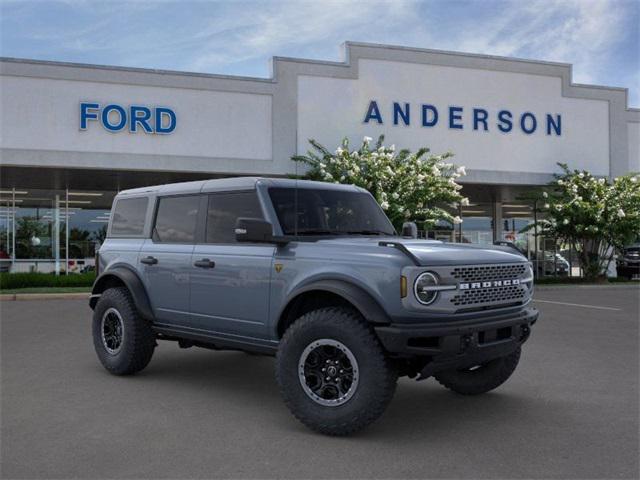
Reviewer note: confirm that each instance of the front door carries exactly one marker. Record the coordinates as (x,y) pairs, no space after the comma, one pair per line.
(230,281)
(165,259)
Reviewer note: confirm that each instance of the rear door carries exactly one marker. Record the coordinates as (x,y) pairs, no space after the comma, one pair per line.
(230,281)
(165,258)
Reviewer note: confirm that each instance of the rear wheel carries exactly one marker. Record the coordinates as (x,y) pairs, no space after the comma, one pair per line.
(123,340)
(333,373)
(480,378)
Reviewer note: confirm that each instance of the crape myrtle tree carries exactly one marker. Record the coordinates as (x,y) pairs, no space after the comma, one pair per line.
(408,186)
(595,216)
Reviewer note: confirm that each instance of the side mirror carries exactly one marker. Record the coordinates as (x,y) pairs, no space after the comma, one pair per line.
(409,230)
(254,230)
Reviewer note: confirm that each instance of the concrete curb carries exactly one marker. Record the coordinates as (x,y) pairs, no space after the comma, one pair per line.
(8,297)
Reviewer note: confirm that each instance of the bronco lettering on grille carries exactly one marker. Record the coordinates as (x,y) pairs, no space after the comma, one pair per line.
(494,283)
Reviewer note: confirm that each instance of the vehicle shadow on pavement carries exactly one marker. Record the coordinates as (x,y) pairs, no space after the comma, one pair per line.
(419,409)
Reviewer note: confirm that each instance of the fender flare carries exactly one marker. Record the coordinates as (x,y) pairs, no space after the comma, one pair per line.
(133,283)
(357,296)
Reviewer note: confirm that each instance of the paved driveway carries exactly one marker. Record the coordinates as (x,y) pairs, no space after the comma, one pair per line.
(571,409)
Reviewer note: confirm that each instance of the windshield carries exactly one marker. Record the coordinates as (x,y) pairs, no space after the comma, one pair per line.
(328,212)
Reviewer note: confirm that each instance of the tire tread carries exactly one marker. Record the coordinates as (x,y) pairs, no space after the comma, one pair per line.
(359,331)
(143,343)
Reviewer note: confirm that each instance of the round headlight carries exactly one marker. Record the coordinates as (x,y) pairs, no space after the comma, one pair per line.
(423,288)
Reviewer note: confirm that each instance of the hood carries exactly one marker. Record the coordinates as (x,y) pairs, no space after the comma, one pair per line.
(434,252)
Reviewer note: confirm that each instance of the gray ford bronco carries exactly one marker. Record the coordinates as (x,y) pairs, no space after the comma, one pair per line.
(316,275)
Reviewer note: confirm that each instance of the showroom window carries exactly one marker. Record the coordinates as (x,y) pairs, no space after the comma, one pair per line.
(52,230)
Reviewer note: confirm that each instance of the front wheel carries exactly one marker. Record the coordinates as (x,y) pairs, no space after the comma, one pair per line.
(480,378)
(333,373)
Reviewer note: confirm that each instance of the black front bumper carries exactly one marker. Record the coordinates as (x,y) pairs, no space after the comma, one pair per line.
(459,344)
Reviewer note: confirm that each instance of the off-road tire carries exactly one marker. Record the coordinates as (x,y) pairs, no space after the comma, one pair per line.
(377,375)
(138,341)
(481,380)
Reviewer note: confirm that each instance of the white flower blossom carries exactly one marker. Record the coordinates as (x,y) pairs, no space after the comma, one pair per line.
(546,206)
(339,151)
(461,170)
(621,213)
(395,195)
(464,202)
(545,194)
(367,139)
(392,148)
(384,205)
(457,220)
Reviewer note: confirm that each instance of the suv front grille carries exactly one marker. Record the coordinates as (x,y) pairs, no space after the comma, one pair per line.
(487,273)
(509,294)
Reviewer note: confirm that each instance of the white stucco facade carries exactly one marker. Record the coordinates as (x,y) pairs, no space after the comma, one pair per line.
(232,125)
(73,135)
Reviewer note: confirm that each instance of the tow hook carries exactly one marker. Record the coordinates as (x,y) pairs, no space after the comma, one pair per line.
(525,333)
(465,342)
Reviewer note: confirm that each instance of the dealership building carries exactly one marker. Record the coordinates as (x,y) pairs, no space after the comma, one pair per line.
(73,135)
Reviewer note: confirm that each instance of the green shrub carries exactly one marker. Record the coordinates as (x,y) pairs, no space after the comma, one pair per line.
(27,280)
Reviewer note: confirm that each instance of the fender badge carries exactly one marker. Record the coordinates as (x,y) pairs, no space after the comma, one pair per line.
(278,267)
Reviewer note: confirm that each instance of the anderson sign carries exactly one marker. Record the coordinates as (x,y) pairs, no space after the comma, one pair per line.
(461,118)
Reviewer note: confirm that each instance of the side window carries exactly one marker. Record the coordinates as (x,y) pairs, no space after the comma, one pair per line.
(224,209)
(128,216)
(176,219)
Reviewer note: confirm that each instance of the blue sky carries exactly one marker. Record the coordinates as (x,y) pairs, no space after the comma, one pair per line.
(600,38)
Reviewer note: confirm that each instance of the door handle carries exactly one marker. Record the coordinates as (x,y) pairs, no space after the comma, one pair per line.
(204,263)
(149,260)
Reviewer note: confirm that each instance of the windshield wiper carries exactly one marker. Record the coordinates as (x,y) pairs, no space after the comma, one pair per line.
(368,232)
(319,231)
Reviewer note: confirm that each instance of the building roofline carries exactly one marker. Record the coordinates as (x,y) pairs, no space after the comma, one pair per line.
(346,62)
(55,63)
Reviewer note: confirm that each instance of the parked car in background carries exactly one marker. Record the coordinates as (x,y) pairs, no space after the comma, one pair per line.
(628,263)
(5,262)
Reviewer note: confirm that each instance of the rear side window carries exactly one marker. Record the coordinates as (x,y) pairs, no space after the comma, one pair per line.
(128,216)
(224,209)
(176,219)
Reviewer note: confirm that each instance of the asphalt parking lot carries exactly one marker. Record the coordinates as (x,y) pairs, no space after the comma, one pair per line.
(570,410)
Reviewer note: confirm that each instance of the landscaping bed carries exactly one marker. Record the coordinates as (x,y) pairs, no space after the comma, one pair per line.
(45,281)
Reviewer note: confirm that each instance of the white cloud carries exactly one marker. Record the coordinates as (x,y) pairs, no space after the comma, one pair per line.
(273,27)
(581,32)
(230,37)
